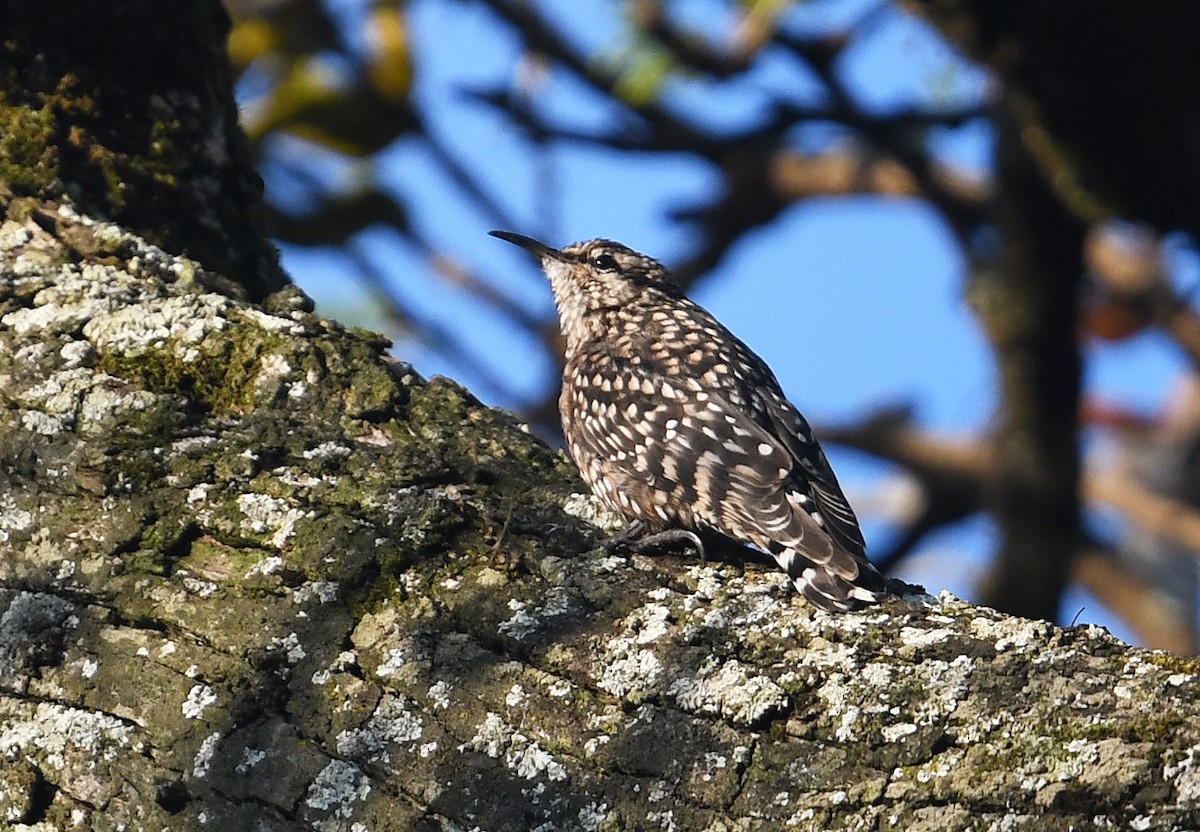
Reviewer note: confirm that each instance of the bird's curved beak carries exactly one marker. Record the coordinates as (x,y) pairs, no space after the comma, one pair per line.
(540,250)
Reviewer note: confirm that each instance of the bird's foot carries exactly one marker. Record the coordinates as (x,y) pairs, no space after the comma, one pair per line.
(635,539)
(671,537)
(624,538)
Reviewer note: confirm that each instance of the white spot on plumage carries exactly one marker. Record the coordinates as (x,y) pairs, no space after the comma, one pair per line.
(670,471)
(765,448)
(745,472)
(864,595)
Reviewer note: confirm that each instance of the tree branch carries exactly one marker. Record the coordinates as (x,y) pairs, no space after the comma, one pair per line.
(363,598)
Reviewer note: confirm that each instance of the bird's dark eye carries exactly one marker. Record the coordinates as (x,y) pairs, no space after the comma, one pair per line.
(605,262)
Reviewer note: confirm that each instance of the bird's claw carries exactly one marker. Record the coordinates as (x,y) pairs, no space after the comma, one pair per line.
(625,537)
(637,541)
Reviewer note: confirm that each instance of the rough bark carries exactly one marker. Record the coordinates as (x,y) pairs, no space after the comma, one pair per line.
(253,575)
(127,107)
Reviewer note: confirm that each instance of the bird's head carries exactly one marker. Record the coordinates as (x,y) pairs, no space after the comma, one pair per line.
(593,278)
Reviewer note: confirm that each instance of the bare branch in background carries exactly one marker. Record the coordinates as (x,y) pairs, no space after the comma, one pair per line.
(949,473)
(429,330)
(1157,625)
(797,176)
(465,179)
(669,131)
(1155,513)
(1128,265)
(691,50)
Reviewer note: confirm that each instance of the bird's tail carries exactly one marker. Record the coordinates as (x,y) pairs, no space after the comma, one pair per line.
(851,587)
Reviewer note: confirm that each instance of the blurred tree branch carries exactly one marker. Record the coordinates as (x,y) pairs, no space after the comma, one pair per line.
(1157,625)
(858,170)
(1109,97)
(1027,302)
(1128,269)
(952,474)
(1074,148)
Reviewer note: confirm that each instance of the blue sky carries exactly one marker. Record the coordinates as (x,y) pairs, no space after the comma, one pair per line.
(855,302)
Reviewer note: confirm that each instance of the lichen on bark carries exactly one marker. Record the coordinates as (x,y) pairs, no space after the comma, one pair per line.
(254,574)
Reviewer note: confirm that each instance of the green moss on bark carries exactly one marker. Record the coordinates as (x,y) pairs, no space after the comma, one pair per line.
(129,109)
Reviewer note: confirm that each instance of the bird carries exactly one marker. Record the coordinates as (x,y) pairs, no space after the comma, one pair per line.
(680,428)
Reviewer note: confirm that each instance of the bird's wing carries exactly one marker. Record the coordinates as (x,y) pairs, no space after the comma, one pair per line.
(792,430)
(696,450)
